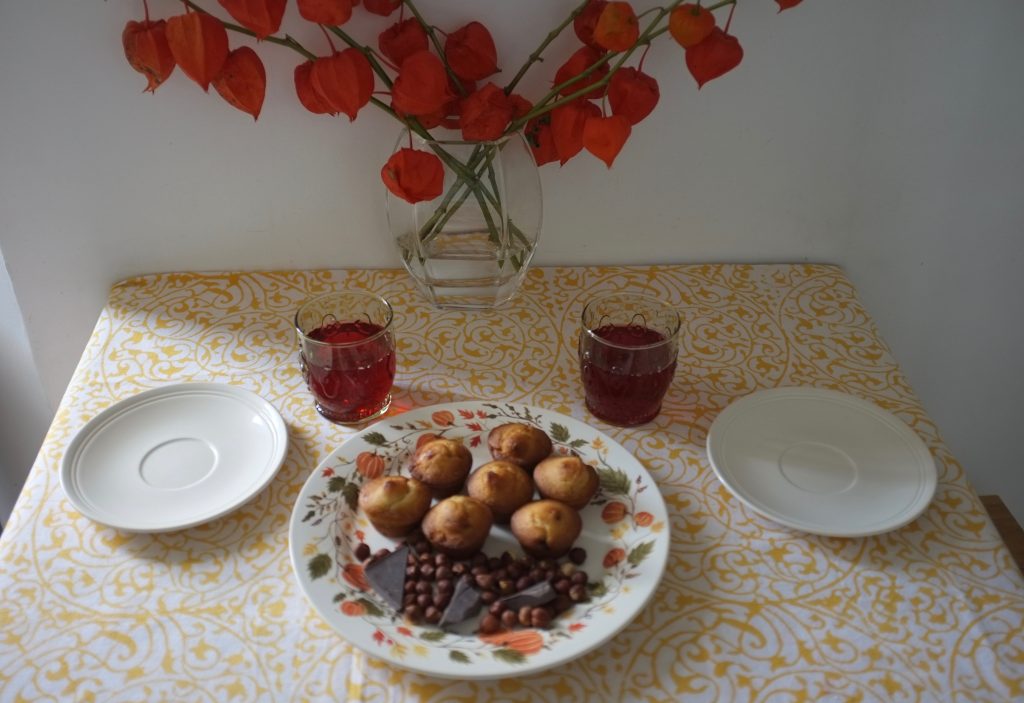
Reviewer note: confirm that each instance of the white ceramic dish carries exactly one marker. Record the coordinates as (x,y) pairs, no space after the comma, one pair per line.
(822,462)
(627,545)
(174,457)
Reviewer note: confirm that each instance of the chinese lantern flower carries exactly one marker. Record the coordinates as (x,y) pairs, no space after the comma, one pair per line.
(310,99)
(713,57)
(585,22)
(381,7)
(335,12)
(617,27)
(471,52)
(541,141)
(579,62)
(401,40)
(147,51)
(242,81)
(485,114)
(413,176)
(344,81)
(263,17)
(604,137)
(567,123)
(632,94)
(690,24)
(199,44)
(421,87)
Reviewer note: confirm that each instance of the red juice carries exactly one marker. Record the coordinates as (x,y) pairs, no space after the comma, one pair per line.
(625,380)
(352,381)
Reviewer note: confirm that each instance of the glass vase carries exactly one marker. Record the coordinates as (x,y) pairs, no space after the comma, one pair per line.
(469,248)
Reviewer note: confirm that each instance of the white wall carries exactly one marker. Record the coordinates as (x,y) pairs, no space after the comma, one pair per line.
(873,134)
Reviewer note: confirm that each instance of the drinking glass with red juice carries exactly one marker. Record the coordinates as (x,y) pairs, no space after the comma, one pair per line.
(628,347)
(347,355)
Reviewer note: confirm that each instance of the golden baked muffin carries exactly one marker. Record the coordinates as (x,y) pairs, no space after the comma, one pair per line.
(566,478)
(519,443)
(394,504)
(501,486)
(458,526)
(546,528)
(443,465)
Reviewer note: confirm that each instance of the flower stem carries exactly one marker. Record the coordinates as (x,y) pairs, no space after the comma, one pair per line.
(536,55)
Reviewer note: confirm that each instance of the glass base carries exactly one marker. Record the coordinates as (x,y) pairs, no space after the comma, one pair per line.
(466,271)
(353,419)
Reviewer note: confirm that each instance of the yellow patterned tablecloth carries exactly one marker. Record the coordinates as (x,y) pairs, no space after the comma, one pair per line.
(746,610)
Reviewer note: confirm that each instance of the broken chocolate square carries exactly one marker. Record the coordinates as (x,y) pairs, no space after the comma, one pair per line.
(537,594)
(387,576)
(465,604)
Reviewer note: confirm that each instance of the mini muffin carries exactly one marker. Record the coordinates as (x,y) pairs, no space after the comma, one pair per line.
(458,526)
(521,444)
(394,504)
(566,478)
(443,465)
(546,529)
(501,486)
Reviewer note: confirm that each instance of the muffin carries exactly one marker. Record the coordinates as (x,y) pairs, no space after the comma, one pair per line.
(394,505)
(501,486)
(567,479)
(443,465)
(458,526)
(521,444)
(546,529)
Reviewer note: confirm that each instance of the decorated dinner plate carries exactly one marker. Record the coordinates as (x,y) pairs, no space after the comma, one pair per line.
(822,462)
(174,457)
(625,535)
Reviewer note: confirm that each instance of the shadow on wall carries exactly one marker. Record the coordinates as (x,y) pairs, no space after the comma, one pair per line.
(24,412)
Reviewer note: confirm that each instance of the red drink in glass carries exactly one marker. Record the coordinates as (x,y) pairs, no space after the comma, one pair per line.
(347,355)
(627,353)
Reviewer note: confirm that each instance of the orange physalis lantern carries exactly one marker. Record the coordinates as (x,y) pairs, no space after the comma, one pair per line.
(421,87)
(690,24)
(485,114)
(520,105)
(401,40)
(310,99)
(263,17)
(586,21)
(243,81)
(471,52)
(199,43)
(413,176)
(632,94)
(580,61)
(145,47)
(541,140)
(344,81)
(382,7)
(613,557)
(713,57)
(604,137)
(567,123)
(333,12)
(617,27)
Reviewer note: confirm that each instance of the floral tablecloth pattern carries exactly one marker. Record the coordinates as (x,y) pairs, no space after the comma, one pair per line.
(747,610)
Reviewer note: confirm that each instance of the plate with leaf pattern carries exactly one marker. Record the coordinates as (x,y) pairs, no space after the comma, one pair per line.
(625,535)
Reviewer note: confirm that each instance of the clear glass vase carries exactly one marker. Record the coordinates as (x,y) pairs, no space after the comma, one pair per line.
(470,247)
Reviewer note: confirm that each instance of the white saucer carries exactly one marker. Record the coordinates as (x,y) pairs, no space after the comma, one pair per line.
(822,462)
(174,457)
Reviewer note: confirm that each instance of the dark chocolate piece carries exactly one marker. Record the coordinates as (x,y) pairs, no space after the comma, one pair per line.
(465,604)
(387,576)
(537,594)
